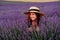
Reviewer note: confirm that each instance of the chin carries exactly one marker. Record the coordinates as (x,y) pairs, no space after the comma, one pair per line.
(32,19)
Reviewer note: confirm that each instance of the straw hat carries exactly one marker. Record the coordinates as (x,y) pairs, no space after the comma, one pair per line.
(35,10)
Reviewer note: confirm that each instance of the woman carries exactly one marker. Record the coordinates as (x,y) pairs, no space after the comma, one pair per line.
(33,18)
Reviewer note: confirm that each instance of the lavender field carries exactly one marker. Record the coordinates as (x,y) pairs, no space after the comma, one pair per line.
(13,21)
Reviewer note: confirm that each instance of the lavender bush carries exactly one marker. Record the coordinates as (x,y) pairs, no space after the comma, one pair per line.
(13,25)
(16,33)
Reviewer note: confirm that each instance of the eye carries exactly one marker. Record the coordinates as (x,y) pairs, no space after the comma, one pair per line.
(32,14)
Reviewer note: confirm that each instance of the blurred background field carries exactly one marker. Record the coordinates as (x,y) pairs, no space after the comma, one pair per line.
(13,21)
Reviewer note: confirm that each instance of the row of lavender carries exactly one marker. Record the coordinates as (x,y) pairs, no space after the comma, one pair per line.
(13,29)
(13,21)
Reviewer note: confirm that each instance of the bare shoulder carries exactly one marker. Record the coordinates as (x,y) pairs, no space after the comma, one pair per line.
(30,29)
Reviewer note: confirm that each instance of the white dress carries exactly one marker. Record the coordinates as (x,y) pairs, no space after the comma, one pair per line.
(31,28)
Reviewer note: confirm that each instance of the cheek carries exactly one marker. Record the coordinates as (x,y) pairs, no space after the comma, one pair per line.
(31,16)
(34,16)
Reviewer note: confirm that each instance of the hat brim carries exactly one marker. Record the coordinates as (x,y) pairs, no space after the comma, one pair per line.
(41,14)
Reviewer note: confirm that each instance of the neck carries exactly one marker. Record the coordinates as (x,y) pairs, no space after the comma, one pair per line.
(34,23)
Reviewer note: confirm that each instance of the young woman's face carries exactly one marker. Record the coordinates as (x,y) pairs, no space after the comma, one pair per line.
(33,16)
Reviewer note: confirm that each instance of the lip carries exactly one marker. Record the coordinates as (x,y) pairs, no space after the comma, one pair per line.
(32,17)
